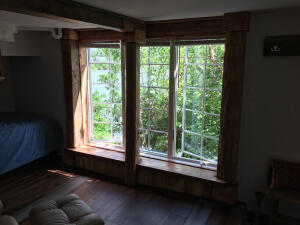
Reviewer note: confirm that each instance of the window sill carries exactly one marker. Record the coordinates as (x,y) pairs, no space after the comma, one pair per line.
(180,169)
(157,164)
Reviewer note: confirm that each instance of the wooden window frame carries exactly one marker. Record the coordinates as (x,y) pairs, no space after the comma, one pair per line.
(232,26)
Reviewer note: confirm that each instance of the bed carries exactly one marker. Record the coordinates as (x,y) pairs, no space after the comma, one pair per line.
(25,138)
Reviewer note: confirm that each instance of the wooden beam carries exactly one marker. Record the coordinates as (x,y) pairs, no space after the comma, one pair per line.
(185,28)
(132,106)
(71,11)
(72,81)
(231,98)
(101,35)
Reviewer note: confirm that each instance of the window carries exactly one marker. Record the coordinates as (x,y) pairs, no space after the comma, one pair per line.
(154,98)
(197,96)
(105,94)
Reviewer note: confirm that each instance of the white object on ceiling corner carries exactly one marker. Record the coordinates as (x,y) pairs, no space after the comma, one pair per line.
(7,31)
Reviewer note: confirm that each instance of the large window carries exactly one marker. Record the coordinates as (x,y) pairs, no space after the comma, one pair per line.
(197,85)
(105,94)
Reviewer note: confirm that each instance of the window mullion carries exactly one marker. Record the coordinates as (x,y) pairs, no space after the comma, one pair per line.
(184,98)
(172,101)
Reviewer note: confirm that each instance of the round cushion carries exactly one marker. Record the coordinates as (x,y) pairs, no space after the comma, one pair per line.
(68,210)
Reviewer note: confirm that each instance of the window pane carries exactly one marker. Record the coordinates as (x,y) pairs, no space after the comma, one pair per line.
(211,126)
(194,99)
(159,54)
(196,54)
(195,76)
(116,93)
(116,74)
(144,75)
(144,99)
(144,55)
(117,134)
(199,94)
(99,55)
(102,131)
(159,120)
(117,113)
(159,98)
(99,73)
(159,76)
(213,102)
(106,94)
(210,149)
(143,139)
(193,121)
(214,77)
(144,119)
(101,113)
(115,55)
(101,93)
(216,54)
(192,143)
(158,142)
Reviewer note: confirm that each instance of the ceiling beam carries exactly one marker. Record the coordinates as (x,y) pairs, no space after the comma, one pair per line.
(71,11)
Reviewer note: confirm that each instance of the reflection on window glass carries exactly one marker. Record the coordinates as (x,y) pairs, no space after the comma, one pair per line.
(105,95)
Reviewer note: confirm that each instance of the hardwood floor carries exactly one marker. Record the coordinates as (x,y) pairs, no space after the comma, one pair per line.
(118,204)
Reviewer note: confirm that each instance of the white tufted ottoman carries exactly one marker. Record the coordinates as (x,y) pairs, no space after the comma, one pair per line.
(68,210)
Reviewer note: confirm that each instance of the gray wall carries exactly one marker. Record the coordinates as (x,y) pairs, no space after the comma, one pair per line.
(6,91)
(271,112)
(37,85)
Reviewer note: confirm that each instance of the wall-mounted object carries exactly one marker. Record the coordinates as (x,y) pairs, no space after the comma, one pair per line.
(282,45)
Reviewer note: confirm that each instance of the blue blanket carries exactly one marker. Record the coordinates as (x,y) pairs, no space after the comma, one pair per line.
(25,138)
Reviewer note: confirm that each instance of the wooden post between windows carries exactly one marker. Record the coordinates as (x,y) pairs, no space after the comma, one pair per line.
(72,81)
(235,28)
(132,66)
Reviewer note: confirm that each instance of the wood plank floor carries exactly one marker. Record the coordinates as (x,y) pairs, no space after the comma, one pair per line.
(118,204)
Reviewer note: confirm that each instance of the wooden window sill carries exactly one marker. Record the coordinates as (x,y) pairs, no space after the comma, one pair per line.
(145,162)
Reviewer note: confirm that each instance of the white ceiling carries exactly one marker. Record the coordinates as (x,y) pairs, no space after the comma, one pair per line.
(150,10)
(38,23)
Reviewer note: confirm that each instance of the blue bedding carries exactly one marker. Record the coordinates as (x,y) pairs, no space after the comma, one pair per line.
(25,138)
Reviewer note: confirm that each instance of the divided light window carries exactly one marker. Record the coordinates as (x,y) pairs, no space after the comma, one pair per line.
(196,82)
(105,94)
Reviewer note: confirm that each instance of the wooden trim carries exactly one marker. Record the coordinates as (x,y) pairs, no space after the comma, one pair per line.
(185,29)
(84,93)
(74,12)
(236,21)
(231,108)
(70,34)
(73,98)
(132,110)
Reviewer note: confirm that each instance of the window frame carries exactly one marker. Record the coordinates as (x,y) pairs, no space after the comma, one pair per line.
(90,140)
(172,109)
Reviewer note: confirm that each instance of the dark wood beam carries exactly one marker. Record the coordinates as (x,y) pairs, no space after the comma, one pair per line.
(185,28)
(132,111)
(71,11)
(236,31)
(72,82)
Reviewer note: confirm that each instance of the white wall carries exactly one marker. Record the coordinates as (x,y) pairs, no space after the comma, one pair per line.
(271,112)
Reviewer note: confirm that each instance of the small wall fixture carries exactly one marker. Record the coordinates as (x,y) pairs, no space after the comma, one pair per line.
(282,45)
